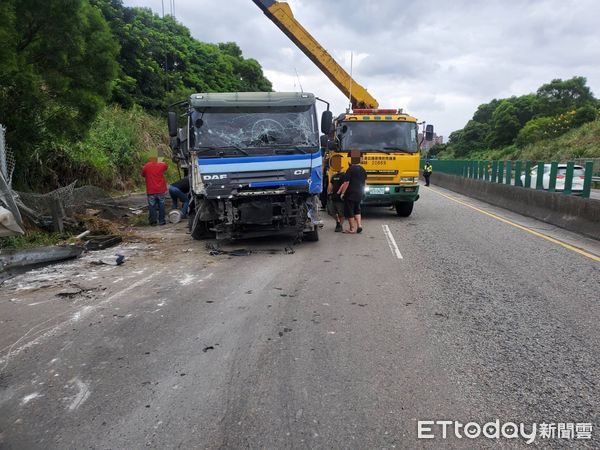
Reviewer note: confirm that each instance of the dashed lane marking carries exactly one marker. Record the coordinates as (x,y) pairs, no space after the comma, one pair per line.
(522,227)
(391,242)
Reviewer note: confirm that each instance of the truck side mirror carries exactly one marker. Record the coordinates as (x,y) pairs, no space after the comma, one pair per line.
(429,133)
(326,120)
(172,122)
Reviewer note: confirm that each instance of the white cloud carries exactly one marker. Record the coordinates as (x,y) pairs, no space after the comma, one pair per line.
(438,60)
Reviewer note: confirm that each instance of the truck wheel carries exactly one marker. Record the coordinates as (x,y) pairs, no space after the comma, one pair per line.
(311,236)
(404,209)
(200,228)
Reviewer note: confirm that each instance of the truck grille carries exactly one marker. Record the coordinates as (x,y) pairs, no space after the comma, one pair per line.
(256,177)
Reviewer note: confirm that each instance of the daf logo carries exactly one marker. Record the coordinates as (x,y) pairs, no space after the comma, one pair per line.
(214,177)
(301,172)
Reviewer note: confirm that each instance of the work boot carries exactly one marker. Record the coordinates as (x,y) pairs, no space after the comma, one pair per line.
(338,227)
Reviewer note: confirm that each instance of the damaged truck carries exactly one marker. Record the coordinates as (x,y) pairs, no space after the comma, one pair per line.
(254,161)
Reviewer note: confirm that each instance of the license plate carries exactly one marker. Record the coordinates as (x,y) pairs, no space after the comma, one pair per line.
(376,190)
(409,189)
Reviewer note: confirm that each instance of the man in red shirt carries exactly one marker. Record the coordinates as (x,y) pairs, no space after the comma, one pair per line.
(156,187)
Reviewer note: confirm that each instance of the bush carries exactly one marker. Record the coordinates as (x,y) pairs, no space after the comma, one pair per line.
(112,153)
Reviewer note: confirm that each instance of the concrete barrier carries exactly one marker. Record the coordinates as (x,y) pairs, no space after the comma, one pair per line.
(566,211)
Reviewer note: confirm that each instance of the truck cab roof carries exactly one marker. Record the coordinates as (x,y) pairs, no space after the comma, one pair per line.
(250,99)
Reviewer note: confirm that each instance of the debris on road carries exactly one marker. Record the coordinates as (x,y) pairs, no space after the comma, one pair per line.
(205,349)
(119,259)
(13,262)
(102,242)
(215,250)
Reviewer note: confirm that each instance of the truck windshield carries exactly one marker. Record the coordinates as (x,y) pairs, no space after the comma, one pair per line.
(252,131)
(388,136)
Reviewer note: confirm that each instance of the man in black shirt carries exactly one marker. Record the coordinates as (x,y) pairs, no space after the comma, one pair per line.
(336,208)
(352,191)
(180,190)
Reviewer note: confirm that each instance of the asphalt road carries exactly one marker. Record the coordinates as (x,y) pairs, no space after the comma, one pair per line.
(345,343)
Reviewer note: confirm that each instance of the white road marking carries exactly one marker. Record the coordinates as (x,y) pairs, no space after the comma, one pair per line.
(391,242)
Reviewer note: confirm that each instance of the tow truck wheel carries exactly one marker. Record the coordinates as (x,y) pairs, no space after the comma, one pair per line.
(404,209)
(311,236)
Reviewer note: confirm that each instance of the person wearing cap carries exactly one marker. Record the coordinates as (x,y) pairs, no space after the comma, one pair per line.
(156,187)
(427,172)
(180,190)
(351,192)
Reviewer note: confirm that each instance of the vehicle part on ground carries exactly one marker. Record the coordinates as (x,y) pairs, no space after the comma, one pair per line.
(18,261)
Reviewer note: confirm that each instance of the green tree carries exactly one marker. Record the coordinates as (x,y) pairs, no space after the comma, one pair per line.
(160,62)
(484,111)
(505,125)
(61,64)
(562,95)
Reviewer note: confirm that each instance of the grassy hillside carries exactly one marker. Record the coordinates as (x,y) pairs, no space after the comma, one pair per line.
(582,142)
(113,152)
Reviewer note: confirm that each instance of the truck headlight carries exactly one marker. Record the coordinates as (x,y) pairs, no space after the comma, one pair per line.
(366,188)
(407,179)
(387,189)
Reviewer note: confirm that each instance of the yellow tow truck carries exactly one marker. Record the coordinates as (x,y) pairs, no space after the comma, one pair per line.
(388,139)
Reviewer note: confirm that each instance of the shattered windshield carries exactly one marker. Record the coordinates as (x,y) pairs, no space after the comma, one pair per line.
(256,130)
(389,136)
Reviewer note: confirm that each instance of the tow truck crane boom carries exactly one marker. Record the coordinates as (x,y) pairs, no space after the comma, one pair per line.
(281,15)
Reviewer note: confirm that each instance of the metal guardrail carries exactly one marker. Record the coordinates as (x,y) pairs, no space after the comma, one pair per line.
(511,172)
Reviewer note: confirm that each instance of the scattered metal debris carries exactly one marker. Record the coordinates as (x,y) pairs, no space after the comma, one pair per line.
(13,262)
(215,250)
(102,242)
(119,259)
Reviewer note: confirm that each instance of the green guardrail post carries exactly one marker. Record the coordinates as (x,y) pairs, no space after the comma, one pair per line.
(488,170)
(494,171)
(587,182)
(509,172)
(553,172)
(539,180)
(569,178)
(500,172)
(527,174)
(518,173)
(481,170)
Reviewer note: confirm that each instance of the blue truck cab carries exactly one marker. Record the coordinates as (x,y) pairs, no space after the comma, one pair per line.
(254,162)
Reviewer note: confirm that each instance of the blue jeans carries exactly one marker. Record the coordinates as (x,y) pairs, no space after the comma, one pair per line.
(154,201)
(177,194)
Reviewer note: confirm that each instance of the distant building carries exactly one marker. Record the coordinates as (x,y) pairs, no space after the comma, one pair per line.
(426,145)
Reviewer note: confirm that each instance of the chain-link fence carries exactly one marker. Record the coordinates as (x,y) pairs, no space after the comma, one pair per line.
(7,159)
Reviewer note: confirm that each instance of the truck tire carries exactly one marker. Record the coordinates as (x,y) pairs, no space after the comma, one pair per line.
(199,228)
(311,236)
(404,209)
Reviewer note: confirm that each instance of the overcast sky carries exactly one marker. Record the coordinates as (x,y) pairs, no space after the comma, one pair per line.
(436,59)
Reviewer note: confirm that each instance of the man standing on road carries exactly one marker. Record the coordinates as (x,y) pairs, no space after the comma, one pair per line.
(427,172)
(351,192)
(180,190)
(336,204)
(156,187)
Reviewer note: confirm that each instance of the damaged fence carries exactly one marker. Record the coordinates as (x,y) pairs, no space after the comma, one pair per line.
(10,218)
